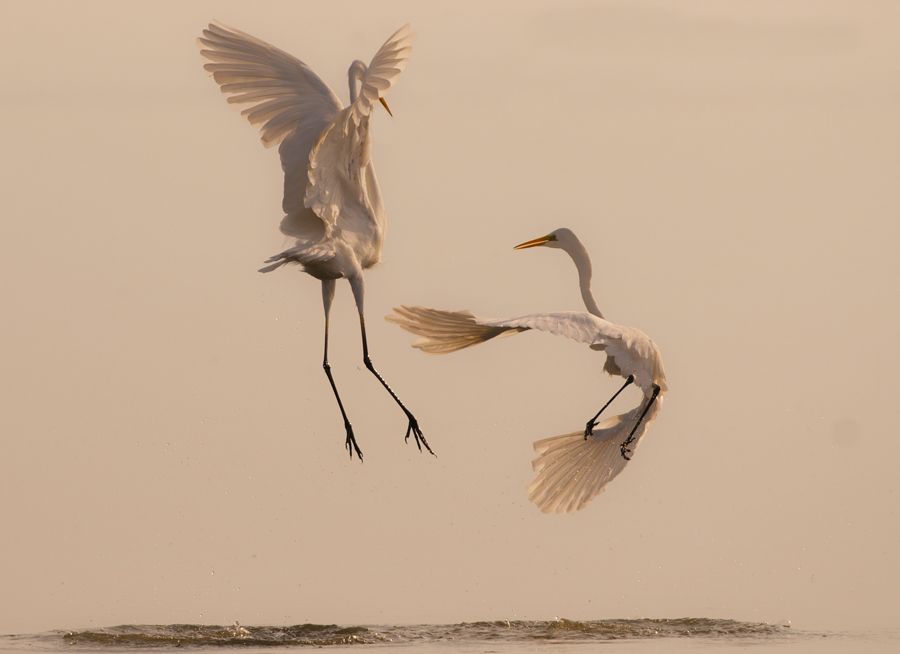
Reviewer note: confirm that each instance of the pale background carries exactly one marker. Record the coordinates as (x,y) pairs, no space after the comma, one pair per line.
(171,448)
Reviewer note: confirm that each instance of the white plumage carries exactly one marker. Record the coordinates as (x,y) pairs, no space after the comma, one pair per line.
(572,468)
(332,203)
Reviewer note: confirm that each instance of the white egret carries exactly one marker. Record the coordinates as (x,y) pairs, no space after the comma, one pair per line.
(571,468)
(332,203)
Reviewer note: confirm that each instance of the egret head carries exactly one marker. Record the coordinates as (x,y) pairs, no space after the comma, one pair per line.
(355,76)
(559,238)
(564,239)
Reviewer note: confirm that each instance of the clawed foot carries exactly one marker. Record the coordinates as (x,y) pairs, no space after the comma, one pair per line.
(589,428)
(625,450)
(350,443)
(414,429)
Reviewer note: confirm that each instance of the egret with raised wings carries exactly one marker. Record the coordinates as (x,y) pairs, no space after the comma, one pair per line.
(571,468)
(332,203)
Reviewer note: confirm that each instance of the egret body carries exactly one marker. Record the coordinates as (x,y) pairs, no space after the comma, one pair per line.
(571,468)
(333,209)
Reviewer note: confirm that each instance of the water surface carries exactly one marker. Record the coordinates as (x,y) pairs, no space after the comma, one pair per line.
(507,636)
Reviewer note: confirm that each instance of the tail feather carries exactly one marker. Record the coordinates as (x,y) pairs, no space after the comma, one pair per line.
(570,471)
(445,331)
(304,252)
(272,266)
(276,261)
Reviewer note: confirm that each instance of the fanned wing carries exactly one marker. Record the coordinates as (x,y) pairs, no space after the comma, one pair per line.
(570,471)
(383,71)
(448,331)
(444,331)
(342,182)
(284,97)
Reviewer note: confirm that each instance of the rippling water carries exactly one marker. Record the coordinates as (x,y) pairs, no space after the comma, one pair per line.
(508,636)
(503,635)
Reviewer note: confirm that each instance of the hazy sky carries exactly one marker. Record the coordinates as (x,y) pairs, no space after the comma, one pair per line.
(172,451)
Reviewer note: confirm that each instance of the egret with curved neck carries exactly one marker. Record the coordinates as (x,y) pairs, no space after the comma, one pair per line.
(565,240)
(571,468)
(332,202)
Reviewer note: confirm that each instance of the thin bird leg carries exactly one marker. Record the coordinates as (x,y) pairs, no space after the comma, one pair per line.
(589,427)
(628,441)
(356,283)
(413,427)
(350,443)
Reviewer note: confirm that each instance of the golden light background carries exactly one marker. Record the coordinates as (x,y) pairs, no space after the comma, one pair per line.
(171,448)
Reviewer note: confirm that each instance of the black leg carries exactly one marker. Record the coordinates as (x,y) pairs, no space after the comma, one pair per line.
(413,426)
(589,427)
(628,441)
(350,443)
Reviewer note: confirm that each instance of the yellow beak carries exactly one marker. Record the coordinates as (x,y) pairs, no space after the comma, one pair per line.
(386,107)
(535,242)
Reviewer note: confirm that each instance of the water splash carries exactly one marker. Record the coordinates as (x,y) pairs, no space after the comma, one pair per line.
(189,635)
(317,635)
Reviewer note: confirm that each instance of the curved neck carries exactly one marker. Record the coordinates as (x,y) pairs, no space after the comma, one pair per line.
(352,88)
(583,264)
(354,77)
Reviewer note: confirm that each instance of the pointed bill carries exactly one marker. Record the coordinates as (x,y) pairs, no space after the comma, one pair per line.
(386,107)
(535,242)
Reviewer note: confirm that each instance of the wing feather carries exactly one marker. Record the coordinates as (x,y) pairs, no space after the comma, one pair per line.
(287,100)
(571,470)
(239,59)
(576,325)
(383,71)
(444,331)
(448,331)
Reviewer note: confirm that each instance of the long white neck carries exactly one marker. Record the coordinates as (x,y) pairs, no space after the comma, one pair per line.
(354,77)
(353,92)
(583,264)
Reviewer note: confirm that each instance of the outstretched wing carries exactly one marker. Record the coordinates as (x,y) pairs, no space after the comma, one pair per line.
(571,470)
(623,346)
(577,325)
(448,331)
(341,179)
(383,71)
(444,331)
(289,102)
